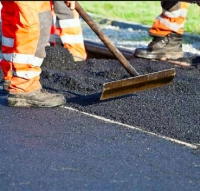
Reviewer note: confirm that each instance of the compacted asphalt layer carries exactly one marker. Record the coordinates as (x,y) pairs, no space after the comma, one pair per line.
(65,149)
(62,149)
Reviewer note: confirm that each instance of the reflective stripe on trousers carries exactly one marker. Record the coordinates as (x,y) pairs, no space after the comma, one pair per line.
(25,33)
(68,28)
(171,19)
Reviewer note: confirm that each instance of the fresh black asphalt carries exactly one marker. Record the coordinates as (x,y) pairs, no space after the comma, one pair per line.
(61,149)
(172,110)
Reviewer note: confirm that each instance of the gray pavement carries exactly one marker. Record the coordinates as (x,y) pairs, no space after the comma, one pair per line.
(60,149)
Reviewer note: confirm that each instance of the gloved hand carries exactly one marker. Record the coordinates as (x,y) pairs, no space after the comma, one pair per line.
(70,4)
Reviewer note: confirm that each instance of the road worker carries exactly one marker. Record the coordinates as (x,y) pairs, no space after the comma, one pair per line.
(167,31)
(69,29)
(25,33)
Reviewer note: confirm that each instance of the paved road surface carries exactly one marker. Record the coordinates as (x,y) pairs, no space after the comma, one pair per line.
(61,149)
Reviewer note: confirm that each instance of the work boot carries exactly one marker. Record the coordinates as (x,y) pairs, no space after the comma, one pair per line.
(38,98)
(162,48)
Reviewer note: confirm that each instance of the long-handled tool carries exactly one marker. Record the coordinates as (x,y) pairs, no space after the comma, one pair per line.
(137,82)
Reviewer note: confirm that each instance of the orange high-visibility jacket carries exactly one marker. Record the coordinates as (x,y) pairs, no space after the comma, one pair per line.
(66,24)
(25,33)
(171,19)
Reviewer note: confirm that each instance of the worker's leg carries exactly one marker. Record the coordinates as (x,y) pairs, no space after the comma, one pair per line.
(167,31)
(52,40)
(6,69)
(25,33)
(70,31)
(7,66)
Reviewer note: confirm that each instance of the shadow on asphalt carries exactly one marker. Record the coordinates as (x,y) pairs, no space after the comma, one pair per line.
(91,99)
(86,100)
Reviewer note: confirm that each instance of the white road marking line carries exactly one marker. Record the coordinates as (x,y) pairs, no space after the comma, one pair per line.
(135,128)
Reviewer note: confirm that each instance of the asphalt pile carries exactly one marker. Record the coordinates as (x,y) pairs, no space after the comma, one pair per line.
(171,110)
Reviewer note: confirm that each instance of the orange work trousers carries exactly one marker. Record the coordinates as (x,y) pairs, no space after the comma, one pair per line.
(25,33)
(171,19)
(66,24)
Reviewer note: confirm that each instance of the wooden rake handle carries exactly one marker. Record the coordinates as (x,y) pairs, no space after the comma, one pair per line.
(106,40)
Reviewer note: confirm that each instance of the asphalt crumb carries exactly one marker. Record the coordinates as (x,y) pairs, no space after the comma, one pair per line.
(171,110)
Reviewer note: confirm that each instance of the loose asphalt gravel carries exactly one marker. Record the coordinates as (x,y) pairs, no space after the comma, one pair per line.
(172,111)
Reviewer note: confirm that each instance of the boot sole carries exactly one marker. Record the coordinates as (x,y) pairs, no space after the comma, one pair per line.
(19,102)
(164,56)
